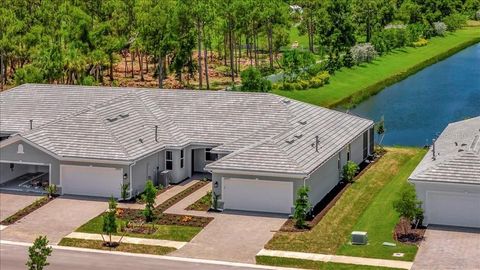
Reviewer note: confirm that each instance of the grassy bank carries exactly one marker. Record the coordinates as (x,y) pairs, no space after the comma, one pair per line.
(351,86)
(365,205)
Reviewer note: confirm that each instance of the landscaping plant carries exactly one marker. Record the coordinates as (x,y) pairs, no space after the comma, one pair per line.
(349,171)
(380,129)
(124,191)
(38,254)
(440,28)
(363,52)
(252,81)
(409,207)
(110,222)
(51,190)
(302,206)
(149,195)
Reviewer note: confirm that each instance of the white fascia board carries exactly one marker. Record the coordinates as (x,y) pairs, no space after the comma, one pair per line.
(258,173)
(446,183)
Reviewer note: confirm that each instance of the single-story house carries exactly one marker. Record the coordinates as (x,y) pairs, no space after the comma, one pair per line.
(447,180)
(257,148)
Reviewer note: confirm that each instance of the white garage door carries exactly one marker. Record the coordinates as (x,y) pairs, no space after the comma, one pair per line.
(258,195)
(91,181)
(454,209)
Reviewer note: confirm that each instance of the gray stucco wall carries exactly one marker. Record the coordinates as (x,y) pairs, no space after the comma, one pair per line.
(33,155)
(323,180)
(145,169)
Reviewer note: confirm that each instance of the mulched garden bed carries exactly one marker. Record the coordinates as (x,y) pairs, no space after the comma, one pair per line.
(180,196)
(136,217)
(27,210)
(411,235)
(322,208)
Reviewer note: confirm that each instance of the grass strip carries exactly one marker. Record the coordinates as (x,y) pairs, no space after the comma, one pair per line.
(308,264)
(25,211)
(123,247)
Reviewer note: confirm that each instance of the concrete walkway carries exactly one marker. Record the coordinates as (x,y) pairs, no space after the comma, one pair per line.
(179,208)
(130,240)
(336,259)
(164,196)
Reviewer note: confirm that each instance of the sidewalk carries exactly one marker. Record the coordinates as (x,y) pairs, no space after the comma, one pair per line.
(179,208)
(164,196)
(336,259)
(130,240)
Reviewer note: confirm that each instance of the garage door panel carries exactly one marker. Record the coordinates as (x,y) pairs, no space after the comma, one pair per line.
(91,181)
(258,195)
(454,209)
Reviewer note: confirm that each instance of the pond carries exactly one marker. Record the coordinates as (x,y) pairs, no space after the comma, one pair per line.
(418,108)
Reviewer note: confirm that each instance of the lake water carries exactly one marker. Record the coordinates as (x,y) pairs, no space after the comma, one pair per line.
(420,107)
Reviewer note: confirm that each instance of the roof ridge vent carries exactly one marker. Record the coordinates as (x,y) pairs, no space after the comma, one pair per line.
(290,141)
(140,140)
(298,136)
(302,122)
(286,101)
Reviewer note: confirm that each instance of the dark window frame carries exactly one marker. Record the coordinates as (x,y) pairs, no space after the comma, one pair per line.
(209,156)
(168,160)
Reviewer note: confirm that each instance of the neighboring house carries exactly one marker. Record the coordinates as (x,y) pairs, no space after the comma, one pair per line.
(448,178)
(260,148)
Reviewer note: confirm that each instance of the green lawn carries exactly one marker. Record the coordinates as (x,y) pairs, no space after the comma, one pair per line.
(166,232)
(125,247)
(306,264)
(353,85)
(366,205)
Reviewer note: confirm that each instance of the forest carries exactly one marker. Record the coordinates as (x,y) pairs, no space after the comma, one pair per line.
(206,44)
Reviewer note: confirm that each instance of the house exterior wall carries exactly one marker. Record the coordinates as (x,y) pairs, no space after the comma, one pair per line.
(9,153)
(146,169)
(422,188)
(323,180)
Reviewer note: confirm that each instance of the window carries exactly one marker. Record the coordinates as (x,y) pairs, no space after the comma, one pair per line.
(372,142)
(365,145)
(182,158)
(168,160)
(209,156)
(339,165)
(349,148)
(20,149)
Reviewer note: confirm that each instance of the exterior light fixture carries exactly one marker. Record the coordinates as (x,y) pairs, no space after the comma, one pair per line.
(125,176)
(215,185)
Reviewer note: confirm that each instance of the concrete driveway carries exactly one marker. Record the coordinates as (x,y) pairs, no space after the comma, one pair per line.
(449,248)
(56,219)
(232,236)
(10,203)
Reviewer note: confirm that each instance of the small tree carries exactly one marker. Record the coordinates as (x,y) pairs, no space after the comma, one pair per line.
(51,190)
(364,52)
(380,129)
(38,254)
(440,28)
(348,59)
(349,171)
(110,221)
(149,195)
(408,206)
(302,206)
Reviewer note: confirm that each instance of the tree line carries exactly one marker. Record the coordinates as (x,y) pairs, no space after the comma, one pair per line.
(81,41)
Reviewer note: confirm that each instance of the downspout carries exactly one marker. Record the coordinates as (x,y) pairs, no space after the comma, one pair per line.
(131,178)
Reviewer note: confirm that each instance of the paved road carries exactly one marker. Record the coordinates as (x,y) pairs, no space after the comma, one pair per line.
(13,257)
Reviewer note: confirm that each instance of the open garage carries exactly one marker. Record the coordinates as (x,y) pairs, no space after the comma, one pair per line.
(32,177)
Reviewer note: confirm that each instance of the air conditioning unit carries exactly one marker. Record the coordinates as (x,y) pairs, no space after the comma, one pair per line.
(164,178)
(359,238)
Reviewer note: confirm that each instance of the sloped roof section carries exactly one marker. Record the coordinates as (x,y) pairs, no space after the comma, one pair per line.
(259,131)
(456,158)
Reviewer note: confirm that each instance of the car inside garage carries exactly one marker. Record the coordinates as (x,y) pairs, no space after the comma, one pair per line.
(257,195)
(91,180)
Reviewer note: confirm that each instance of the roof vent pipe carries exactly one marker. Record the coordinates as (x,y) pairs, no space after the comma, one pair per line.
(317,141)
(156,133)
(31,123)
(434,154)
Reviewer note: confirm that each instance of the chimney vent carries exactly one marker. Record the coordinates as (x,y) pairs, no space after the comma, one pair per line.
(31,123)
(156,133)
(434,154)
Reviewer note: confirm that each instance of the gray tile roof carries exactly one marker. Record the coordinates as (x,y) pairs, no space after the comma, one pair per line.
(457,158)
(261,132)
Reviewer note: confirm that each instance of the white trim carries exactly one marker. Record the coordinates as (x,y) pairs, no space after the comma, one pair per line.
(258,173)
(426,182)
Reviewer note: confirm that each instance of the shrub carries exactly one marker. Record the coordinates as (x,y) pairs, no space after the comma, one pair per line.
(124,190)
(455,21)
(477,15)
(324,77)
(304,84)
(416,31)
(302,206)
(296,86)
(28,74)
(149,195)
(349,171)
(379,43)
(364,52)
(88,81)
(295,64)
(38,254)
(51,190)
(286,86)
(420,43)
(333,64)
(440,28)
(407,206)
(348,59)
(314,69)
(110,221)
(252,81)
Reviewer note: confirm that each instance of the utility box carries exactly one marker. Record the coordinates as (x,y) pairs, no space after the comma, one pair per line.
(359,238)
